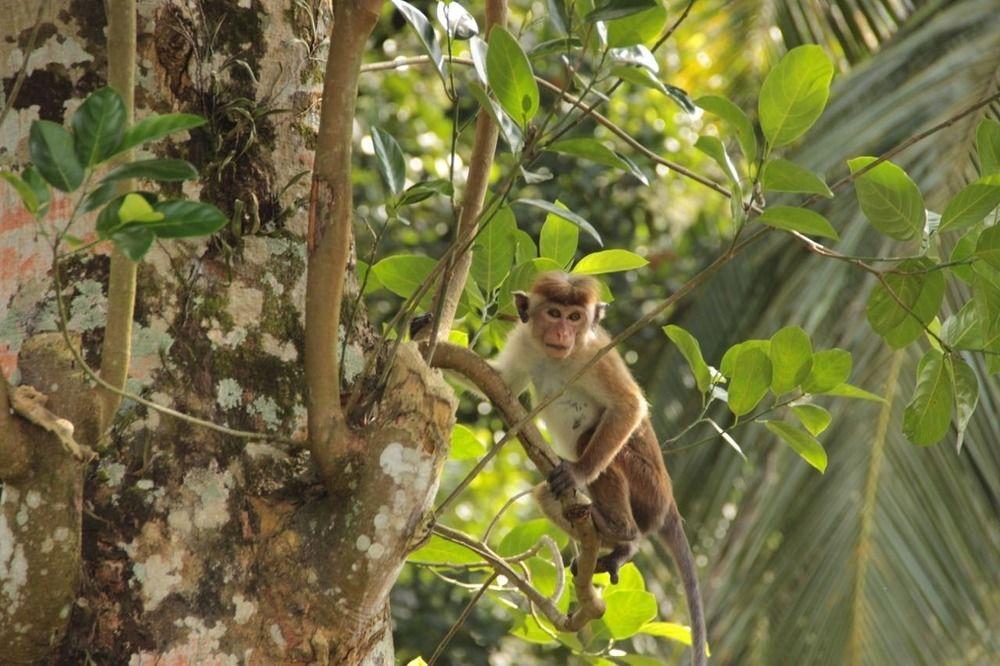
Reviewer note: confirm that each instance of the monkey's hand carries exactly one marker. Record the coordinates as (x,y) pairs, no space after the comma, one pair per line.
(564,478)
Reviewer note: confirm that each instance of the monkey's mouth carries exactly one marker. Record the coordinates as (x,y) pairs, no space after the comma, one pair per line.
(556,347)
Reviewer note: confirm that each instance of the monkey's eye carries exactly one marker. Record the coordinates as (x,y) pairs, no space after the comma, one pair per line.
(554,313)
(574,316)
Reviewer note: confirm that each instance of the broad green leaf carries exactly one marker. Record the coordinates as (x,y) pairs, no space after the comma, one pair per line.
(671,630)
(39,187)
(750,381)
(638,56)
(630,578)
(527,534)
(457,337)
(974,202)
(889,199)
(155,127)
(425,32)
(595,151)
(564,213)
(424,190)
(464,444)
(186,219)
(608,261)
(961,330)
(456,20)
(987,304)
(560,45)
(964,250)
(813,417)
(715,149)
(628,611)
(416,661)
(804,444)
(899,315)
(692,353)
(508,128)
(617,9)
(525,249)
(28,196)
(728,362)
(794,94)
(988,246)
(390,160)
(850,391)
(493,251)
(98,126)
(135,208)
(153,169)
(642,76)
(134,242)
(988,146)
(966,395)
(366,277)
(830,369)
(783,176)
(526,628)
(440,551)
(99,196)
(791,359)
(558,239)
(403,273)
(802,220)
(510,76)
(737,120)
(928,415)
(52,152)
(639,28)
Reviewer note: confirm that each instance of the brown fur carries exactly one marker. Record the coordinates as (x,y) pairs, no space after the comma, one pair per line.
(566,289)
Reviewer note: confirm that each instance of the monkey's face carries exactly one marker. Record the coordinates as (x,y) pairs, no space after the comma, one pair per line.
(561,327)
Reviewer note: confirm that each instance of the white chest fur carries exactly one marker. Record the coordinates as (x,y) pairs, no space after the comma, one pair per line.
(570,415)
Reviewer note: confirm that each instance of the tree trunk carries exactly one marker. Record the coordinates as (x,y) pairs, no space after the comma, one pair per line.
(196,547)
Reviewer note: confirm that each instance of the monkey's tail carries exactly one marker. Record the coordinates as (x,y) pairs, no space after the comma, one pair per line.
(673,537)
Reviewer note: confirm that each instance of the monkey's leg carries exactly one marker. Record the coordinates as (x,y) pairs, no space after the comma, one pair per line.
(612,508)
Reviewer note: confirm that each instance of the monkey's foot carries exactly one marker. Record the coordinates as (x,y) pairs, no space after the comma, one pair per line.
(609,564)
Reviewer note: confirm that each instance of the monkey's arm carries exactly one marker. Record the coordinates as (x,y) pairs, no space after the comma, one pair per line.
(611,385)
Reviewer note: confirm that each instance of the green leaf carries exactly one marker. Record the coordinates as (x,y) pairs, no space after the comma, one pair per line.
(961,330)
(804,444)
(510,76)
(988,146)
(728,363)
(738,121)
(791,359)
(889,199)
(630,578)
(527,534)
(641,76)
(508,128)
(850,391)
(640,28)
(186,219)
(558,239)
(784,176)
(99,196)
(715,149)
(425,32)
(803,220)
(794,94)
(464,444)
(493,251)
(39,187)
(155,127)
(966,395)
(439,551)
(525,248)
(134,242)
(988,246)
(616,9)
(974,202)
(750,381)
(830,368)
(608,261)
(367,277)
(98,126)
(928,415)
(456,20)
(899,316)
(964,249)
(424,190)
(670,630)
(52,152)
(135,208)
(169,170)
(628,611)
(564,213)
(595,151)
(692,353)
(390,160)
(403,273)
(526,628)
(987,303)
(560,45)
(28,196)
(813,417)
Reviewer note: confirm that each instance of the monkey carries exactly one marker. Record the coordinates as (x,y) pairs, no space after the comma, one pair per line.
(600,428)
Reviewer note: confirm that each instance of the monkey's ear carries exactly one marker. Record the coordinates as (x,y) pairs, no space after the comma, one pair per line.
(521,302)
(599,311)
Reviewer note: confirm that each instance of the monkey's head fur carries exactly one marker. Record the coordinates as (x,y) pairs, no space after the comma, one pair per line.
(562,310)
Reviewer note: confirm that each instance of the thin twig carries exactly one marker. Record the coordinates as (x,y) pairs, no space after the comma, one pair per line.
(23,72)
